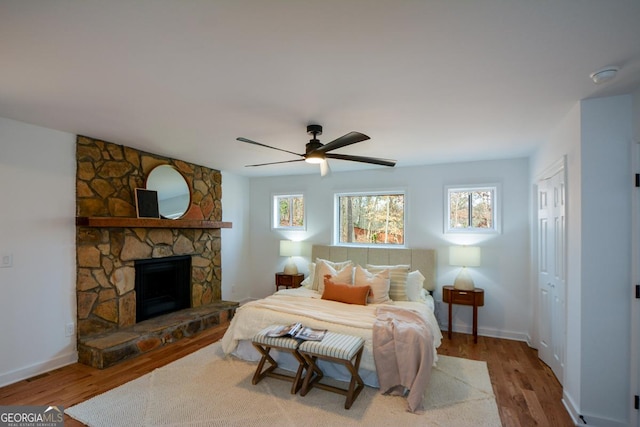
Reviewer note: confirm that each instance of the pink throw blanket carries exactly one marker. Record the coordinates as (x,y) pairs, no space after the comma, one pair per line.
(403,354)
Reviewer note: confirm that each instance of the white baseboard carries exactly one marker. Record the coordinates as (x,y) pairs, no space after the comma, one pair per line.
(587,419)
(495,333)
(38,368)
(509,335)
(571,408)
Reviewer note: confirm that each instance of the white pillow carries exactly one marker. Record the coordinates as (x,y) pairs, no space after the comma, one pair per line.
(397,277)
(308,281)
(342,275)
(319,279)
(415,280)
(378,282)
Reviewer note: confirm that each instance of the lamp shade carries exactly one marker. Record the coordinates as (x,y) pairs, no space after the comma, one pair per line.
(290,248)
(464,256)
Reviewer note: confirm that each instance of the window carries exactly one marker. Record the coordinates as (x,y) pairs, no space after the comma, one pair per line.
(471,209)
(370,218)
(288,211)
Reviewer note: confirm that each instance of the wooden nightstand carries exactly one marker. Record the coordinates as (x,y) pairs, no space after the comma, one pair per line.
(474,298)
(288,280)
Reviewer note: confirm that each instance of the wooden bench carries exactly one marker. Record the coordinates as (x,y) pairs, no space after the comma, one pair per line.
(334,347)
(264,344)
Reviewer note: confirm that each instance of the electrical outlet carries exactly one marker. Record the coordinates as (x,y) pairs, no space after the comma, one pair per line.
(70,329)
(6,260)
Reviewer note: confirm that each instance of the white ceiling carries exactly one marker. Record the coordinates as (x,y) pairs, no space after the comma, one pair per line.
(429,81)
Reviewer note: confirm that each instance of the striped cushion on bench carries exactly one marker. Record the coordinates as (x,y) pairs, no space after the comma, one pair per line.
(339,346)
(281,342)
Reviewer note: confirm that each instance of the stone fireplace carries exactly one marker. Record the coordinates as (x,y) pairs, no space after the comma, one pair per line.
(106,178)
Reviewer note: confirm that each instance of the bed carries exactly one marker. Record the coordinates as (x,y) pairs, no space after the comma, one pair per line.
(305,305)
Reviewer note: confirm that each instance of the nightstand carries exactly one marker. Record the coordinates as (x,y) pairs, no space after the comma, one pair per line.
(288,280)
(473,298)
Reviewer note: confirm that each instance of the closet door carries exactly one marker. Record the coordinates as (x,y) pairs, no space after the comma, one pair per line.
(552,272)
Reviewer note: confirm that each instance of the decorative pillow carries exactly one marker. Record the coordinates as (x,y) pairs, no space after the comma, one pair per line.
(343,292)
(397,278)
(415,280)
(308,281)
(378,282)
(342,270)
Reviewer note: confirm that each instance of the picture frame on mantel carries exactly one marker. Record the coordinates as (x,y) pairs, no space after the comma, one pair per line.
(147,203)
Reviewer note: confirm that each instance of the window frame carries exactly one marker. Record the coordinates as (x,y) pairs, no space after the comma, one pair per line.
(336,218)
(496,208)
(275,215)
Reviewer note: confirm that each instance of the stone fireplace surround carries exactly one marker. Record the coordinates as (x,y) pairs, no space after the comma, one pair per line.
(106,177)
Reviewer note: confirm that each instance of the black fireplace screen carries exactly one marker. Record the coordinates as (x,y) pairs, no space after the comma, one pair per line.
(163,285)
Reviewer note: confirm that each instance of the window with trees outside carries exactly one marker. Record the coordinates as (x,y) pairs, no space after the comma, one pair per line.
(472,209)
(288,211)
(370,218)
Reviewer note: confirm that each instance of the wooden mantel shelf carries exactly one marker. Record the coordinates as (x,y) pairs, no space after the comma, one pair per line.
(114,222)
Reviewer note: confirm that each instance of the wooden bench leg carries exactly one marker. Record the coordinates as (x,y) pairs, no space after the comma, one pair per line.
(302,365)
(356,384)
(314,375)
(266,357)
(259,374)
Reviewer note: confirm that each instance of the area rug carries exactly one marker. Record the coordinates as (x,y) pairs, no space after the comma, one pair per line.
(206,388)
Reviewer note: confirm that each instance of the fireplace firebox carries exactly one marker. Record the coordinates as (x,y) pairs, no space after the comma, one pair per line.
(162,285)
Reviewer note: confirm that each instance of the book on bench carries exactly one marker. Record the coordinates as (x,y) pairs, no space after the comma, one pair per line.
(298,331)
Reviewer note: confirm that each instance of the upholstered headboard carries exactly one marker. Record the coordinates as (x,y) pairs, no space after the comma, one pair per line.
(419,259)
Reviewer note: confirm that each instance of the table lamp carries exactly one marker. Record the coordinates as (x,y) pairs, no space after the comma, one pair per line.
(290,248)
(464,256)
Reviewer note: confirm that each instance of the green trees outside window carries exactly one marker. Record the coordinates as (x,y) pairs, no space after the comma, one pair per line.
(289,211)
(471,209)
(370,218)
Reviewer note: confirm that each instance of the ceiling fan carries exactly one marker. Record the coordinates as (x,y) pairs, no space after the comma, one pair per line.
(318,153)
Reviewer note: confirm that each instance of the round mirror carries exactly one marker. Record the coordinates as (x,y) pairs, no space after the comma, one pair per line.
(174,197)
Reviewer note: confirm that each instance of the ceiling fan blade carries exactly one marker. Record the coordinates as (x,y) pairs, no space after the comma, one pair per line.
(361,159)
(343,141)
(264,145)
(324,168)
(274,163)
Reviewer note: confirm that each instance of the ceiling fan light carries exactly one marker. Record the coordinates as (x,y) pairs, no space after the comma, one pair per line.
(314,158)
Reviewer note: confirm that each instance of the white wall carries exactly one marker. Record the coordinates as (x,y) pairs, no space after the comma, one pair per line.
(236,245)
(596,136)
(37,294)
(504,273)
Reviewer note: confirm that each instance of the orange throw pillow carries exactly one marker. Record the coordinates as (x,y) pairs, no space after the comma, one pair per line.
(348,294)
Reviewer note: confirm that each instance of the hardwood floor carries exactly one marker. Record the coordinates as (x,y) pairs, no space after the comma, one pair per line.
(527,392)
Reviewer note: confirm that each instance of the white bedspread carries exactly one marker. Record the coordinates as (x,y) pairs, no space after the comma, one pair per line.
(306,306)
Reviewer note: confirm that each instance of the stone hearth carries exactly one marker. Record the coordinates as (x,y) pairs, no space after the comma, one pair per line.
(104,350)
